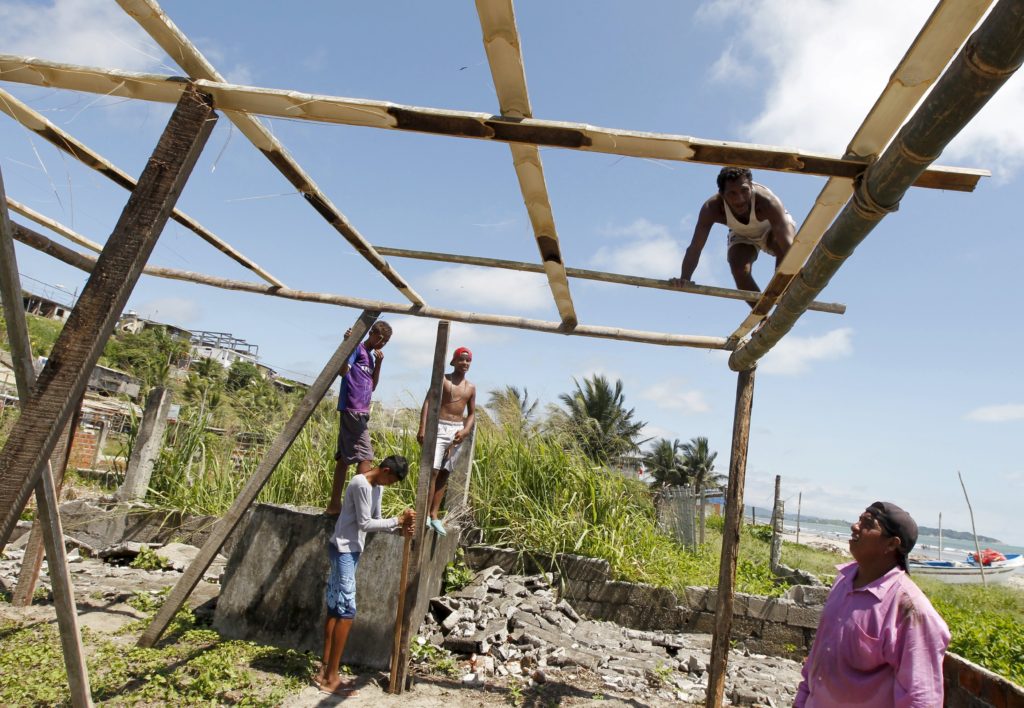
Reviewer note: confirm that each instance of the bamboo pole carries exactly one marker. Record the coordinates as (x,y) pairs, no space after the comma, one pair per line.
(940,37)
(194,573)
(173,41)
(730,539)
(78,347)
(396,649)
(47,498)
(974,531)
(84,262)
(62,140)
(600,276)
(799,501)
(234,100)
(504,54)
(990,57)
(399,678)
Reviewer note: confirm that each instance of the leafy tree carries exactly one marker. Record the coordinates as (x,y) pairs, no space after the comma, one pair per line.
(242,374)
(665,463)
(513,409)
(147,355)
(596,416)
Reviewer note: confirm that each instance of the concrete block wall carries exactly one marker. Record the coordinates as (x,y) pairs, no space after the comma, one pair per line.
(971,686)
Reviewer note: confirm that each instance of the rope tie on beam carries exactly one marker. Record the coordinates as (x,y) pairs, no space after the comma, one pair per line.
(982,68)
(865,205)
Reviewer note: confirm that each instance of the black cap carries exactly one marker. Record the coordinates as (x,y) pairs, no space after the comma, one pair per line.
(896,522)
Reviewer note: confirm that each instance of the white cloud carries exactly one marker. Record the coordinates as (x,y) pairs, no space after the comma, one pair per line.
(413,340)
(171,310)
(836,57)
(672,395)
(507,290)
(642,248)
(997,414)
(792,355)
(79,32)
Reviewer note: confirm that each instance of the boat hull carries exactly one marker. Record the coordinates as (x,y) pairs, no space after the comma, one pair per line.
(967,573)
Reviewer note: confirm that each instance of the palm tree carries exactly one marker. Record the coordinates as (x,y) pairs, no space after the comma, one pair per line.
(598,419)
(513,409)
(665,463)
(700,464)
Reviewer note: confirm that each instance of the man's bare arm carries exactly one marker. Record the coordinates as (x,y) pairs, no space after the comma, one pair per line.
(423,419)
(776,215)
(467,426)
(701,231)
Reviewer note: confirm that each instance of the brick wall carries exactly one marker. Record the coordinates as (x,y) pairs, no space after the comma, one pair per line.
(83,449)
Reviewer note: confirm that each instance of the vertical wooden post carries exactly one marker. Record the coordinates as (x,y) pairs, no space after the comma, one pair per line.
(147,446)
(775,552)
(80,344)
(46,493)
(194,573)
(799,501)
(398,677)
(730,538)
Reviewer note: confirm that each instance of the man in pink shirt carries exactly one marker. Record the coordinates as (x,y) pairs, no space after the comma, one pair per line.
(879,641)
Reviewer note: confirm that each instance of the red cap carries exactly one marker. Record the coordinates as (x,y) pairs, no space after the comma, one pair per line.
(460,351)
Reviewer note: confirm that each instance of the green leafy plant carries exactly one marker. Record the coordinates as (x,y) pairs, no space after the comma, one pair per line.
(147,559)
(456,574)
(435,659)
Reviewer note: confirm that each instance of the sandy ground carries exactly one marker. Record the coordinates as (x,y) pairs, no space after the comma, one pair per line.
(813,540)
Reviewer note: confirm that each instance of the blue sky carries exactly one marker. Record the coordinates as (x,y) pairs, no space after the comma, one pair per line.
(915,382)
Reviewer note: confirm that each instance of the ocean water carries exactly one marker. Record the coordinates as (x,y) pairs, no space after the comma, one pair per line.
(927,546)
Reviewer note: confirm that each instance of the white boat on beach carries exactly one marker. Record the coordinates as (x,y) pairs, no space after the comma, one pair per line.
(967,571)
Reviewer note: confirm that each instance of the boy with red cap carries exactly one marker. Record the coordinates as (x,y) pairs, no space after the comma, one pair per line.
(455,421)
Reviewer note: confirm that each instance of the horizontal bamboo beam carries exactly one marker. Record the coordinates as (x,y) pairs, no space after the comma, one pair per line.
(155,21)
(62,140)
(504,54)
(659,284)
(461,124)
(83,262)
(989,58)
(936,43)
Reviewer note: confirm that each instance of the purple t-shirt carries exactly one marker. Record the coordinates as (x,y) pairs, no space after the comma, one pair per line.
(357,384)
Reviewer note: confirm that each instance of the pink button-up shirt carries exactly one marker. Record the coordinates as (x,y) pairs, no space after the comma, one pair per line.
(879,645)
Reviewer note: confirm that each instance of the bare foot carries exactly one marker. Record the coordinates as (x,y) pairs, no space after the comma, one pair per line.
(338,687)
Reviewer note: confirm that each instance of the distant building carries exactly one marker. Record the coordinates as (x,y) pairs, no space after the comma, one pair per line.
(225,349)
(45,307)
(134,324)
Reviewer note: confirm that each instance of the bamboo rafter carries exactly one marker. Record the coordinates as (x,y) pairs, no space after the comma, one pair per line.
(233,98)
(61,139)
(504,54)
(940,37)
(173,41)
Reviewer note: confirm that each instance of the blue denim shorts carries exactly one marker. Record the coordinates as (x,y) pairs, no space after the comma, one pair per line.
(341,584)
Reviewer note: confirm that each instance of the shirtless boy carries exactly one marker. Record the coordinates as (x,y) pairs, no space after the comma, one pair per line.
(455,421)
(757,221)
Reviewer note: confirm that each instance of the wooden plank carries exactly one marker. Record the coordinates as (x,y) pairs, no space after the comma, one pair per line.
(160,27)
(936,43)
(81,341)
(505,56)
(62,140)
(656,283)
(78,260)
(398,678)
(281,103)
(46,494)
(194,573)
(730,539)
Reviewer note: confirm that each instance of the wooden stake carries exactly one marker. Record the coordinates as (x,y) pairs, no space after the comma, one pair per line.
(79,345)
(775,552)
(393,685)
(194,573)
(940,535)
(730,539)
(46,493)
(799,499)
(419,543)
(974,531)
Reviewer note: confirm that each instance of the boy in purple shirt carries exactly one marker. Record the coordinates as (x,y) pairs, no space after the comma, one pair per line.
(879,641)
(359,377)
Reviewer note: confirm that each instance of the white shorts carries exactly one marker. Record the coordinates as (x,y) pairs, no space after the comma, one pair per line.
(761,243)
(445,433)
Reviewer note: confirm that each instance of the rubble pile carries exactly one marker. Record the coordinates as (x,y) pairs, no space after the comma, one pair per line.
(517,626)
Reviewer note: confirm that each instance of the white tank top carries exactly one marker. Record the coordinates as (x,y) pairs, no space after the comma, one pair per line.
(755,228)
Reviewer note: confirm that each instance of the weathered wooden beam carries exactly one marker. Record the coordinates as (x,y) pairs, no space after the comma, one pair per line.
(48,518)
(173,41)
(84,262)
(62,140)
(990,57)
(419,541)
(936,43)
(721,639)
(505,56)
(659,284)
(81,341)
(194,573)
(459,124)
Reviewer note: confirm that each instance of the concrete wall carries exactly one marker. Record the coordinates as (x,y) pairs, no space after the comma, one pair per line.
(273,589)
(971,686)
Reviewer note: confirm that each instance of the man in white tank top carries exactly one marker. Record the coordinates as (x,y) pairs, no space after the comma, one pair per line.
(757,221)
